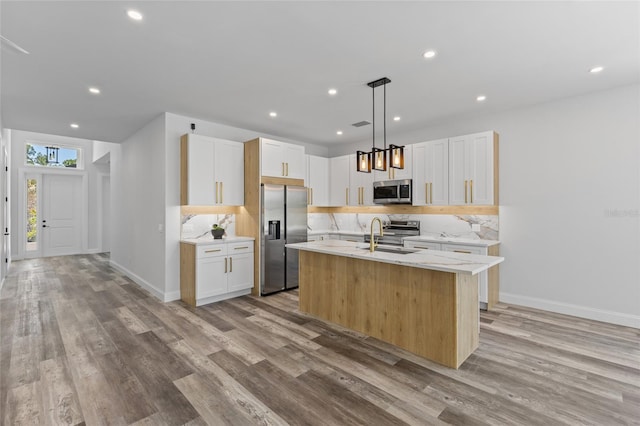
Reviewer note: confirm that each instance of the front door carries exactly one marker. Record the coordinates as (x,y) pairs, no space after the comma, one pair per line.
(54,215)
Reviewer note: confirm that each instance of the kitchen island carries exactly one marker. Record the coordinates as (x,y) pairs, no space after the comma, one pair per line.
(424,301)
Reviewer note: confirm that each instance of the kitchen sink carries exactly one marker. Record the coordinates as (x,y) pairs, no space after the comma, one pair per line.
(396,250)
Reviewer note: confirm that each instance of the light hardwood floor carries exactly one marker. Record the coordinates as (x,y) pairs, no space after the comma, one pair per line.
(80,343)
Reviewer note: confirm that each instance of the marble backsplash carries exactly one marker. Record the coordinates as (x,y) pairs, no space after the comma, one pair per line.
(459,226)
(199,225)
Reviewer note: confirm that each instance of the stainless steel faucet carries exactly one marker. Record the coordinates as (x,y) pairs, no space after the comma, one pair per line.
(372,243)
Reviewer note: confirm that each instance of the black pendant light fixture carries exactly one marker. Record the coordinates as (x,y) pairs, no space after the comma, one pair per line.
(380,158)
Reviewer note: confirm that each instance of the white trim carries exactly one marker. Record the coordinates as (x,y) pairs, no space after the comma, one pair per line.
(138,280)
(574,310)
(93,251)
(99,219)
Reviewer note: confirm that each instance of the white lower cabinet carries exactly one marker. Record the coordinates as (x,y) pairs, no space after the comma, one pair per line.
(483,277)
(213,272)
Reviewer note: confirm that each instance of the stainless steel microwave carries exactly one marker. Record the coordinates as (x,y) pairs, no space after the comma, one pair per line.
(392,192)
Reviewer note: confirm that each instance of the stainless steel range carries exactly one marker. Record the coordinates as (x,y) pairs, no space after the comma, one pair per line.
(395,231)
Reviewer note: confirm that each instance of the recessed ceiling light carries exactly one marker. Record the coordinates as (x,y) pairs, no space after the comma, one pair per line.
(596,70)
(273,114)
(135,15)
(74,125)
(333,92)
(429,54)
(481,98)
(339,132)
(94,90)
(396,118)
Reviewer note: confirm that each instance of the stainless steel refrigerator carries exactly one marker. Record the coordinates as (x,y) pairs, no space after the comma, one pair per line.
(283,220)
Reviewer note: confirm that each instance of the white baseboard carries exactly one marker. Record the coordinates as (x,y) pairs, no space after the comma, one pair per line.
(574,310)
(138,280)
(93,251)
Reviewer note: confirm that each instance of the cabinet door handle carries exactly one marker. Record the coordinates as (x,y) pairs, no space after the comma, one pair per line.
(231,264)
(287,168)
(216,192)
(225,265)
(282,169)
(212,251)
(471,190)
(346,196)
(221,193)
(311,195)
(462,251)
(241,248)
(431,191)
(465,191)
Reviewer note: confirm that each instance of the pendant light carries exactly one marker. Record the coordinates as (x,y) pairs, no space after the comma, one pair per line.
(380,158)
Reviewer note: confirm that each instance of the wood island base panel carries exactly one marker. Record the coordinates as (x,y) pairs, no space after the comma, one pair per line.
(431,313)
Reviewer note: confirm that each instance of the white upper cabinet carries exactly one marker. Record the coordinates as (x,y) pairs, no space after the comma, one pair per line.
(212,171)
(398,174)
(471,169)
(317,180)
(280,159)
(360,185)
(339,180)
(431,173)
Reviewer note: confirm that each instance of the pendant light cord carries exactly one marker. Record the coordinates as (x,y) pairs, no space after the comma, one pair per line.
(373,90)
(384,115)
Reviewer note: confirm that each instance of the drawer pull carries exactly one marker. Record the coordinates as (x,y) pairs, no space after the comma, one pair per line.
(421,247)
(212,251)
(241,248)
(231,264)
(462,251)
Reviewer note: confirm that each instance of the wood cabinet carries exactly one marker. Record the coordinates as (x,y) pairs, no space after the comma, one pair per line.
(488,281)
(217,271)
(317,181)
(473,169)
(212,171)
(431,173)
(280,159)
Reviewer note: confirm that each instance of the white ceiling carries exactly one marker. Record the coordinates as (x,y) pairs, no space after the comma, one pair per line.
(234,62)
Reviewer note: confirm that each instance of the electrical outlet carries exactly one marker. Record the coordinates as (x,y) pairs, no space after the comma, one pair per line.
(475,227)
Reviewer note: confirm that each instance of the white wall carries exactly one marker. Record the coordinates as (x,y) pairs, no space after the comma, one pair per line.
(138,210)
(19,138)
(570,202)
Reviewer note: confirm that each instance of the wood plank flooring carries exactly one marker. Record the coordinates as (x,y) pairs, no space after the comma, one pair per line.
(82,344)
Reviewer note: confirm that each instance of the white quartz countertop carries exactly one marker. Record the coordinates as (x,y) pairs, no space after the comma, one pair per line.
(208,239)
(436,260)
(453,240)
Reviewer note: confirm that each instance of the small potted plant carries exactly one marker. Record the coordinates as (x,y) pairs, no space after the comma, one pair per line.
(217,231)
